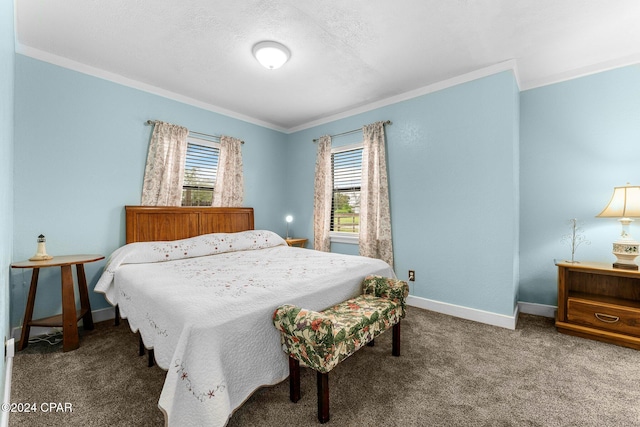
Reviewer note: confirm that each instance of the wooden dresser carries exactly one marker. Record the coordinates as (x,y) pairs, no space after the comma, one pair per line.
(599,302)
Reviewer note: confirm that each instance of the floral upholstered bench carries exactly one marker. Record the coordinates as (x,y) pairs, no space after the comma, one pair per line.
(321,340)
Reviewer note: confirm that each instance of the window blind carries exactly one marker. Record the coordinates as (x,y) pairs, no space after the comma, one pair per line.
(347,174)
(201,167)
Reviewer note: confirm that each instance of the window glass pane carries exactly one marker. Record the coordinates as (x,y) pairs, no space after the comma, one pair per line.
(200,171)
(347,174)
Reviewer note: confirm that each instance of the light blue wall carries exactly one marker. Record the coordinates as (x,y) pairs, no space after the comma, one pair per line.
(7,49)
(453,176)
(80,152)
(579,139)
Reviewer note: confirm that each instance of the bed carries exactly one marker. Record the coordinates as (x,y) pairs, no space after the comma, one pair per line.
(200,285)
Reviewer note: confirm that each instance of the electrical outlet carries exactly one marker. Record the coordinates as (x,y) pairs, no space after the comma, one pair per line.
(412,276)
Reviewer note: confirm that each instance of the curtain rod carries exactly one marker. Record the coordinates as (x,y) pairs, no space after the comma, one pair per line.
(386,122)
(153,122)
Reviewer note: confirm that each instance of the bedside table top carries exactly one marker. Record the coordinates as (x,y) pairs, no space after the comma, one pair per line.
(296,241)
(597,267)
(58,261)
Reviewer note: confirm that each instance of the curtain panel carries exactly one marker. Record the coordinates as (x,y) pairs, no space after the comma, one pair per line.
(375,215)
(164,172)
(228,190)
(323,194)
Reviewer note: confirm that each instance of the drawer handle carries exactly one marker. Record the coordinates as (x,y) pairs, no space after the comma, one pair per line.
(607,318)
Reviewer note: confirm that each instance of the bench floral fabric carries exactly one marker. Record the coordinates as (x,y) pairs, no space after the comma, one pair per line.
(321,340)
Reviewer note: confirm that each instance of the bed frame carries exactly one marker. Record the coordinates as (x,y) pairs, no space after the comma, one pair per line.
(162,223)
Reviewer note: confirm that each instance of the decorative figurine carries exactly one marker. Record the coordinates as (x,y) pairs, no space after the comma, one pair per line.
(41,252)
(575,239)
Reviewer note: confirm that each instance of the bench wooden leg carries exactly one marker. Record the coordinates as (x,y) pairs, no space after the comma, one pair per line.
(396,340)
(294,379)
(116,321)
(323,397)
(151,360)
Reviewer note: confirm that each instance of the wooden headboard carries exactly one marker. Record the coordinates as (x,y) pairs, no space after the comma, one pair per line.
(160,223)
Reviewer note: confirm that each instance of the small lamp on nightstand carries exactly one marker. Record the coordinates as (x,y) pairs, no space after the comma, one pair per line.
(624,204)
(288,219)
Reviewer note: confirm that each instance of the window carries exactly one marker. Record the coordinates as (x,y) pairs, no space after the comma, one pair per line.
(200,171)
(346,168)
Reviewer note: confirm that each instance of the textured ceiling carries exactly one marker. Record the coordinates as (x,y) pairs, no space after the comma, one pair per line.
(344,54)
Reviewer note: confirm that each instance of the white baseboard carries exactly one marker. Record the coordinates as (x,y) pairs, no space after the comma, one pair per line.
(476,315)
(104,314)
(538,309)
(8,364)
(35,331)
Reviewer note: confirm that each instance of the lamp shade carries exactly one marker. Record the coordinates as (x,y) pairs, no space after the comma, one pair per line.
(624,203)
(271,55)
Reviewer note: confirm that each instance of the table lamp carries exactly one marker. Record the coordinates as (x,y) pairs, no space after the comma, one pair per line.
(288,219)
(624,204)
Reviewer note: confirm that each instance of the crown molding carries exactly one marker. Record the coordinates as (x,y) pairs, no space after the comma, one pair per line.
(582,72)
(509,65)
(135,84)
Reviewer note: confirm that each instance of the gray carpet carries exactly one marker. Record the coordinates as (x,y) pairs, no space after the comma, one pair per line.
(452,372)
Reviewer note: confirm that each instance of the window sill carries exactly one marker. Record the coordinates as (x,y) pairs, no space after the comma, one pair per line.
(350,238)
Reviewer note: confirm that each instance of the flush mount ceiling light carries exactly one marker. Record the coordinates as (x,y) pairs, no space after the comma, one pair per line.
(270,54)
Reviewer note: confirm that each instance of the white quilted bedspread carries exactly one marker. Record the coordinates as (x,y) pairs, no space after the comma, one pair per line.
(208,317)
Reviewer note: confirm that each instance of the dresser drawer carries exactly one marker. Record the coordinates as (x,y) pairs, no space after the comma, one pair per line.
(602,315)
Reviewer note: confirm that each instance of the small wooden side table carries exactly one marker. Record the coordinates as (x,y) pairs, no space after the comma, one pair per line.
(69,317)
(296,242)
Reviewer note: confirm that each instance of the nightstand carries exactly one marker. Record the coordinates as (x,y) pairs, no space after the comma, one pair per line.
(292,241)
(599,302)
(69,317)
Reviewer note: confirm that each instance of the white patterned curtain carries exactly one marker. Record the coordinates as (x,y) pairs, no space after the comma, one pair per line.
(228,190)
(375,215)
(323,194)
(164,172)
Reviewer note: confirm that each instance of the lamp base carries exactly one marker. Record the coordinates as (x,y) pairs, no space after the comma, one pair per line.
(623,266)
(626,252)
